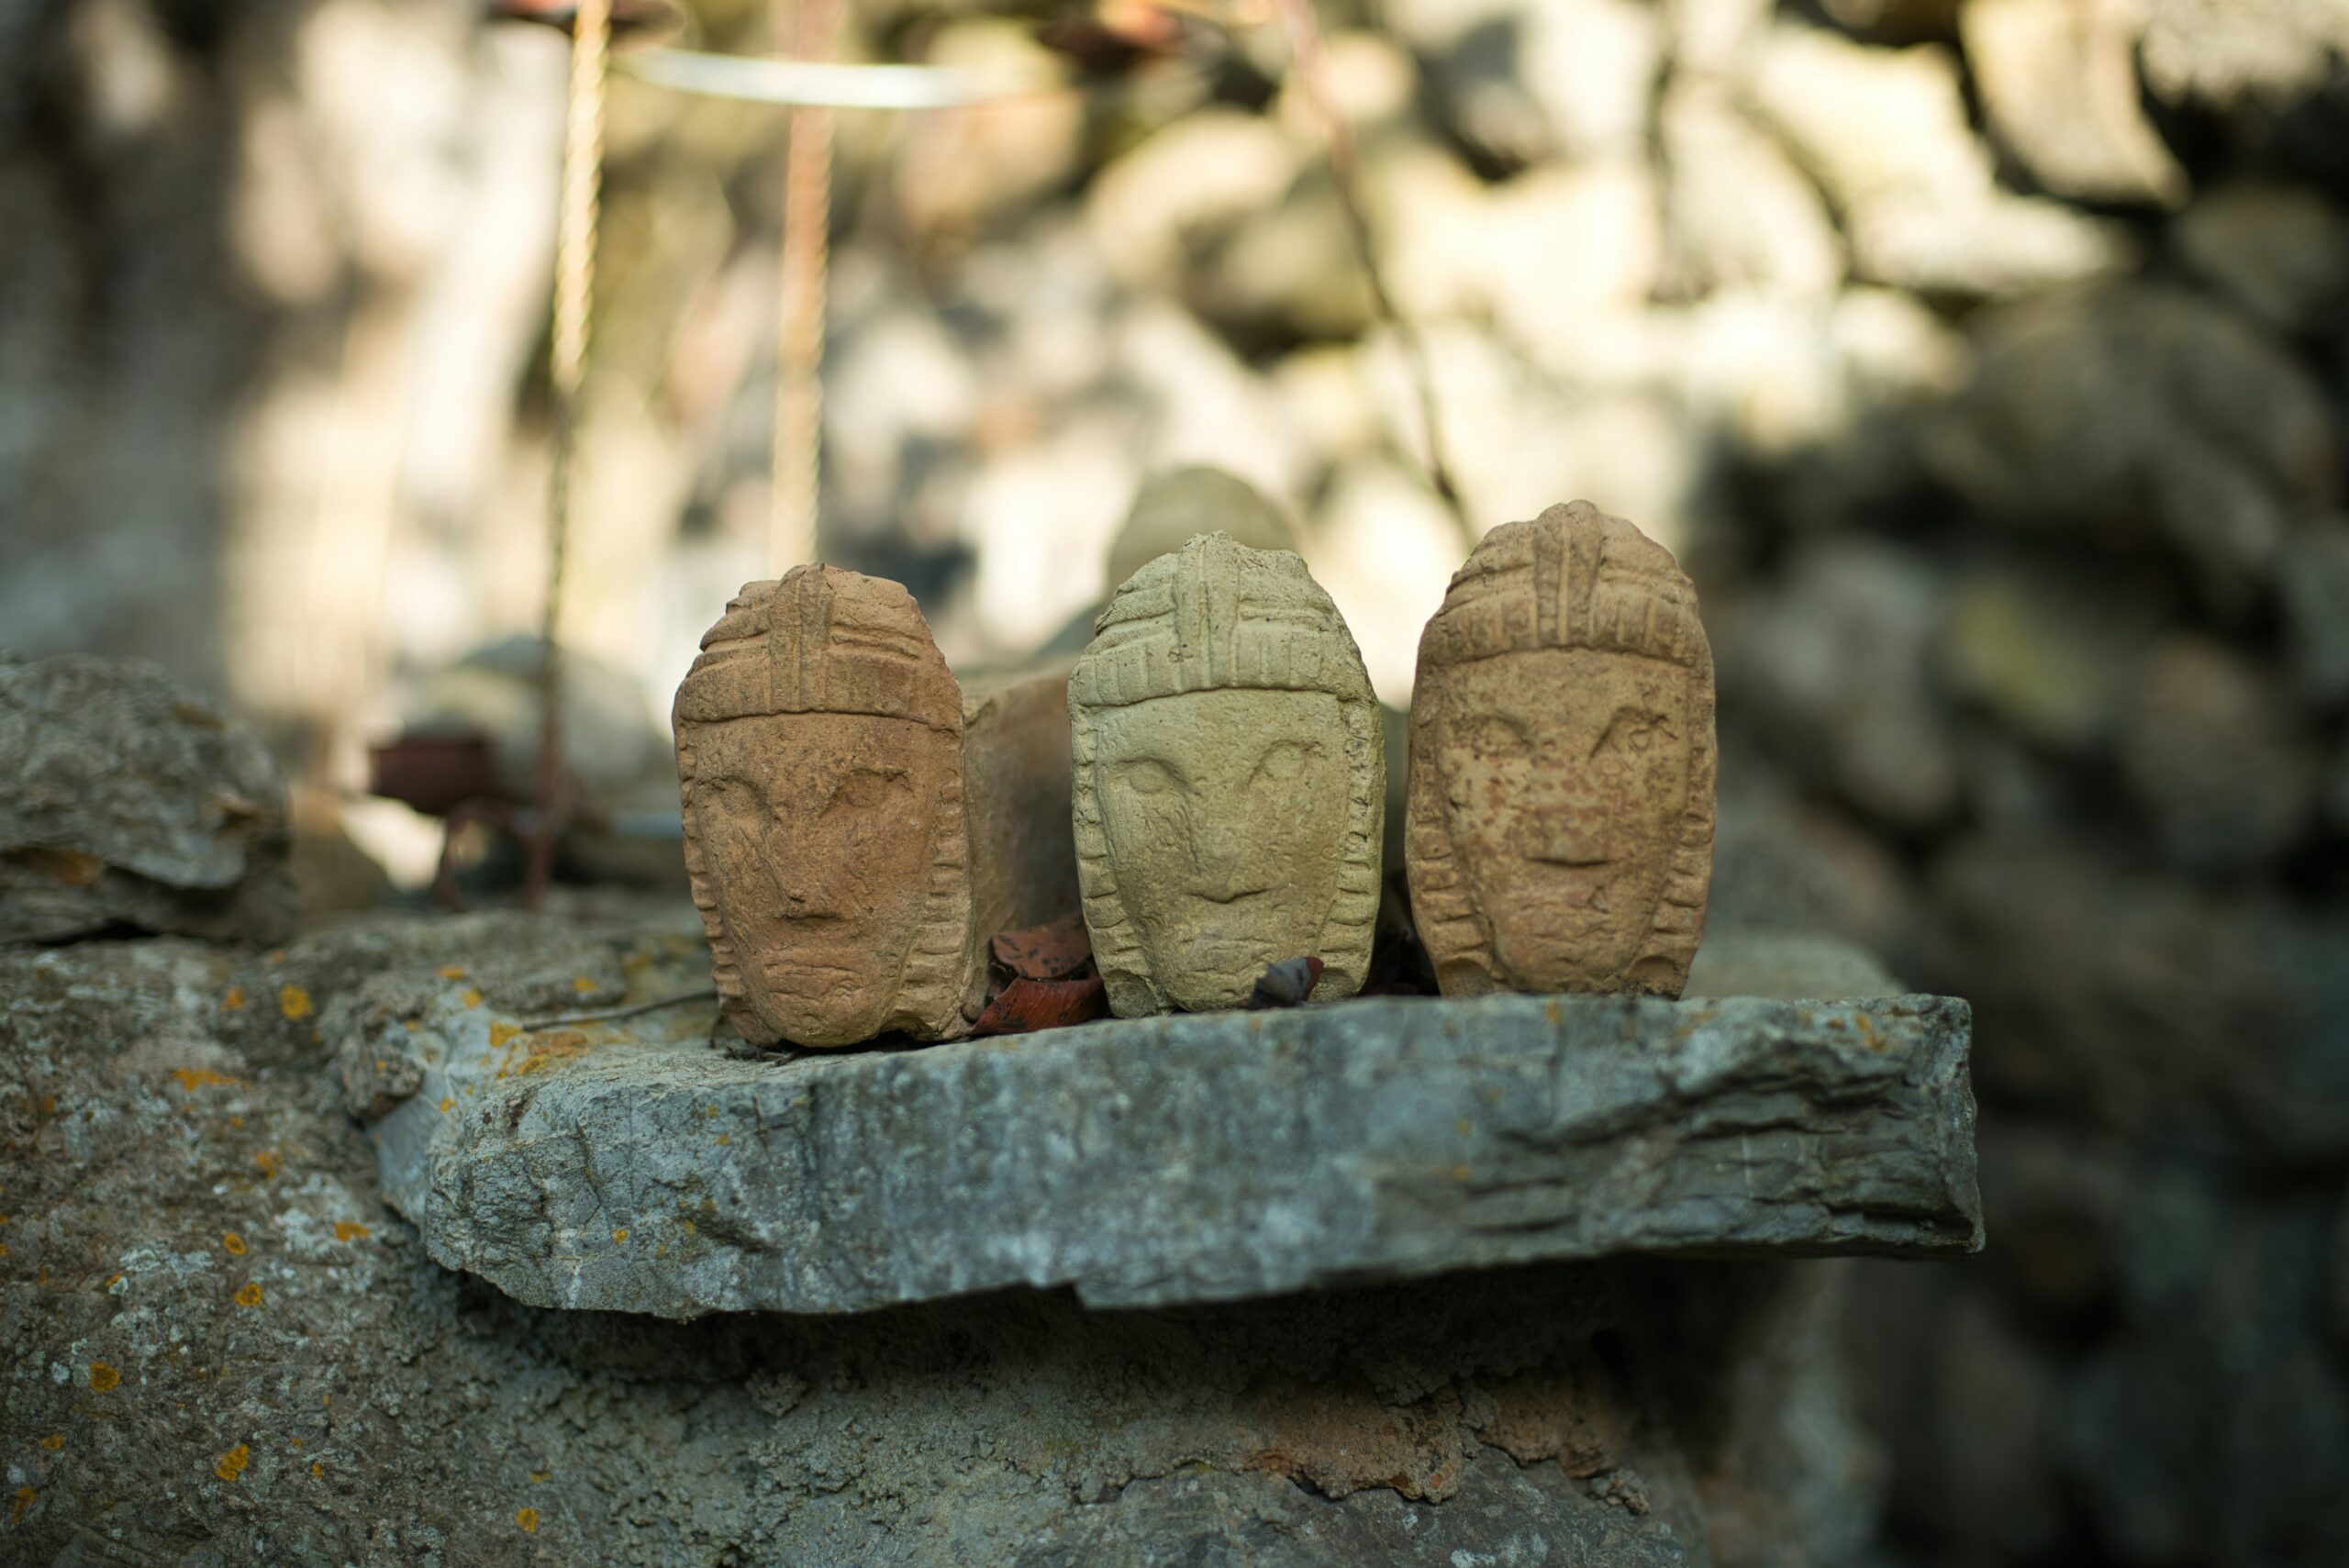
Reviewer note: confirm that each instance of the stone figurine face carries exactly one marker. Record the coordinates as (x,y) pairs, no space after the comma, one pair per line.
(819,829)
(1213,802)
(1562,812)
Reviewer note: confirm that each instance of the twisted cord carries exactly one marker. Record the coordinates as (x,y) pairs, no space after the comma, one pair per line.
(574,290)
(1304,30)
(796,471)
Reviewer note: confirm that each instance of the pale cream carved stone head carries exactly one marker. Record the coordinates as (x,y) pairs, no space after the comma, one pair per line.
(1560,830)
(1229,782)
(819,744)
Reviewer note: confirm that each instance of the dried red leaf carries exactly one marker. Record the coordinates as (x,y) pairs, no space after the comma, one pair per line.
(1060,950)
(1026,1004)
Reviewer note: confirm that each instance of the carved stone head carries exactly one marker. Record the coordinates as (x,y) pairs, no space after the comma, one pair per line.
(820,742)
(1560,829)
(1230,781)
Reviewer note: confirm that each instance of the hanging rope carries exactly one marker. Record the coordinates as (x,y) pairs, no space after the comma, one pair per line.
(1304,30)
(795,472)
(575,291)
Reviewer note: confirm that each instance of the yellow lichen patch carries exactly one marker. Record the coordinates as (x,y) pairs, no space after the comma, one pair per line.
(541,1477)
(112,1282)
(499,1033)
(269,1162)
(21,1505)
(582,984)
(725,1138)
(54,1441)
(447,1104)
(351,1230)
(294,1443)
(472,998)
(293,1001)
(316,1469)
(236,1121)
(102,1376)
(233,1000)
(528,1520)
(620,1238)
(546,1050)
(233,1244)
(453,972)
(232,1463)
(1461,1174)
(194,1078)
(3,1249)
(251,1294)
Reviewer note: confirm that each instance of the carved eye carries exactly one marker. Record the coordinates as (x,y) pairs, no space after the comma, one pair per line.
(867,787)
(1637,731)
(1147,775)
(1493,738)
(1282,763)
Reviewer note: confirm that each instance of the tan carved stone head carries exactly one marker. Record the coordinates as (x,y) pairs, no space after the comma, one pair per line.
(1560,830)
(820,742)
(1230,781)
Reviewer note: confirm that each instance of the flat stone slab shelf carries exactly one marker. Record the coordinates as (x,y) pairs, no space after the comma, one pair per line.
(636,1166)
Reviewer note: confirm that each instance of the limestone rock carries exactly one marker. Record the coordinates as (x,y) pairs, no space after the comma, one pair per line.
(2059,79)
(1884,133)
(2218,757)
(633,1167)
(957,168)
(1229,782)
(1149,209)
(2138,1003)
(2051,654)
(2273,73)
(2103,408)
(1524,85)
(1904,19)
(1836,666)
(2314,584)
(2234,54)
(1562,763)
(2279,252)
(1737,210)
(126,799)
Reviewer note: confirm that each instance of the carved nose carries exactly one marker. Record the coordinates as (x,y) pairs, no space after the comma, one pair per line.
(800,882)
(1226,874)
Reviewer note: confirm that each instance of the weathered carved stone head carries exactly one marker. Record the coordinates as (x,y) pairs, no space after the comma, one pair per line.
(1229,782)
(1560,831)
(820,742)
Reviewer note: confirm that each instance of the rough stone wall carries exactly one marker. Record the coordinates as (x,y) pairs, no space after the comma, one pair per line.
(1989,371)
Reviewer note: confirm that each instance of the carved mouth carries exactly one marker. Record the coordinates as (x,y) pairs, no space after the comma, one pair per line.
(784,973)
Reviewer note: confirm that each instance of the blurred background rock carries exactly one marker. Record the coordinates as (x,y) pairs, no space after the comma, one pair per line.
(1985,361)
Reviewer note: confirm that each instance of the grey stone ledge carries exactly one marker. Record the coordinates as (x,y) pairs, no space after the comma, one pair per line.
(638,1167)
